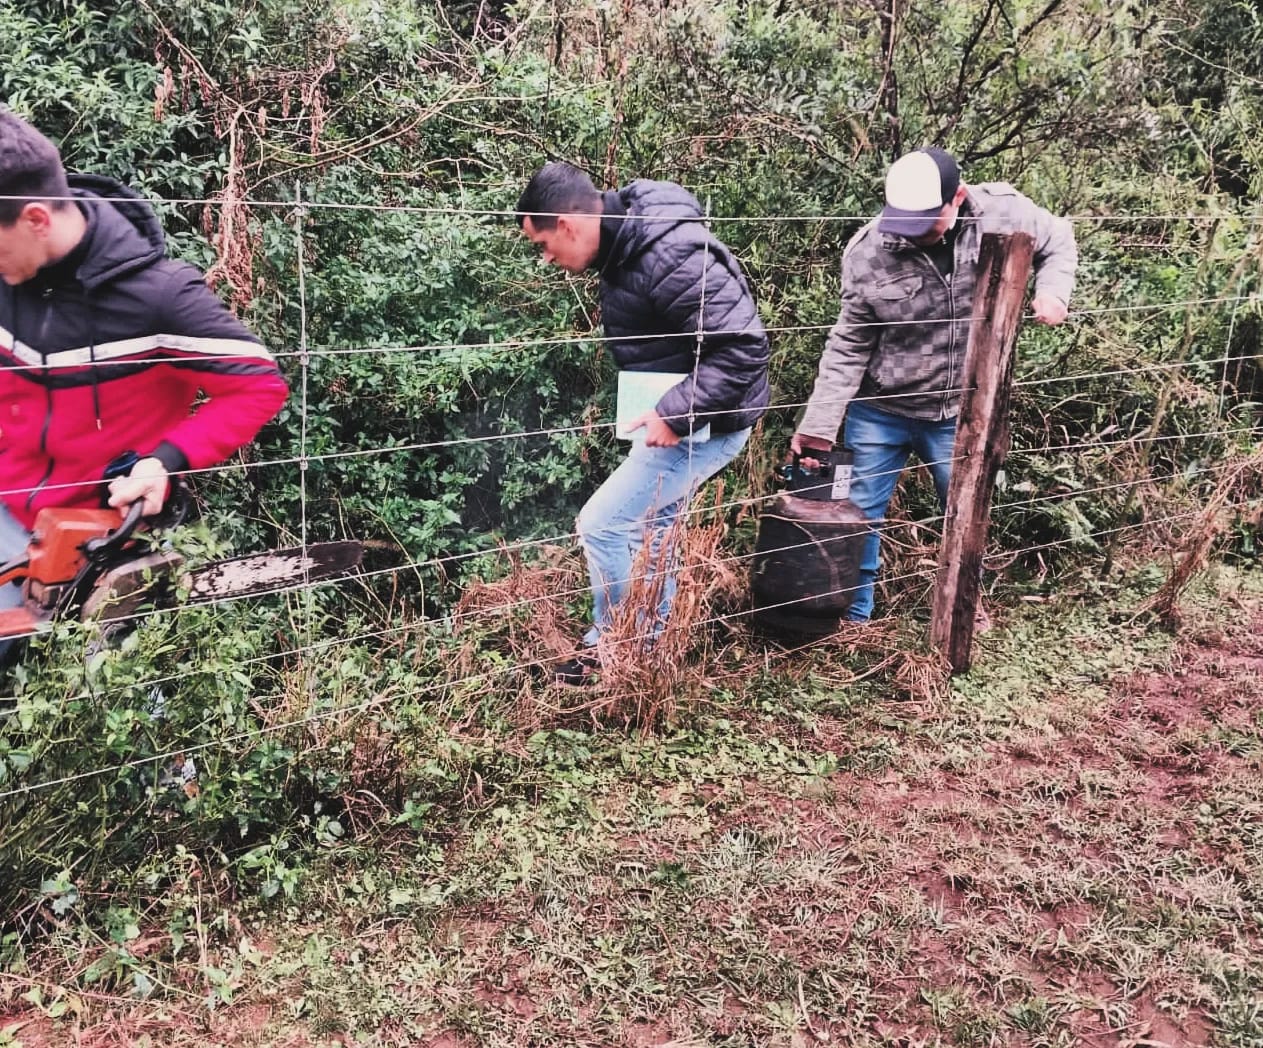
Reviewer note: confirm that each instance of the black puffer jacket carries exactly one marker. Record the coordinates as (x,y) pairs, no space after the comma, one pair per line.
(661,270)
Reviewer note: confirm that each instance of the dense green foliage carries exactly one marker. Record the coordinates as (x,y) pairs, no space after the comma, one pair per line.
(359,159)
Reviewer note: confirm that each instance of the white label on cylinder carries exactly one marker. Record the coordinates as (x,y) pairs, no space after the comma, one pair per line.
(841,482)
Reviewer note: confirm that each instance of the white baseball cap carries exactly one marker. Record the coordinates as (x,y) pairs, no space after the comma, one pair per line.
(918,185)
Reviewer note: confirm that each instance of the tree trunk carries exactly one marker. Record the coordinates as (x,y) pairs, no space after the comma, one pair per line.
(888,11)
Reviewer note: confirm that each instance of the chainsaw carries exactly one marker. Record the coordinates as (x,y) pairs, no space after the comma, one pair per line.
(103,565)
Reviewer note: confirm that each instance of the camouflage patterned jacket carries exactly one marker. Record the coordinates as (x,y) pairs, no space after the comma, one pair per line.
(903,329)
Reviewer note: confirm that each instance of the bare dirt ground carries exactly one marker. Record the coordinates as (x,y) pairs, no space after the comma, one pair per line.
(1028,860)
(1080,870)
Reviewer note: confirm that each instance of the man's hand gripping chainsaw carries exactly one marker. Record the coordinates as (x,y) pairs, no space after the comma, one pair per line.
(103,564)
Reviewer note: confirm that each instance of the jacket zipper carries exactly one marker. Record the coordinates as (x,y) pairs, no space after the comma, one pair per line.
(947,282)
(48,398)
(951,318)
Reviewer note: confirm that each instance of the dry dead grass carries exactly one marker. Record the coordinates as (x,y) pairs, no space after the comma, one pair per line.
(650,671)
(1240,482)
(647,668)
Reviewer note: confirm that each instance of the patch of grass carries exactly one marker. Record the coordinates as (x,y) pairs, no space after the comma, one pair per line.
(1062,847)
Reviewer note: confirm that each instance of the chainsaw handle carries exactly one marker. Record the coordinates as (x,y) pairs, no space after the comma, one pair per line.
(15,571)
(115,540)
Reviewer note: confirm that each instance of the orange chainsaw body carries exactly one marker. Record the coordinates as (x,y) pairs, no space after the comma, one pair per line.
(104,565)
(55,557)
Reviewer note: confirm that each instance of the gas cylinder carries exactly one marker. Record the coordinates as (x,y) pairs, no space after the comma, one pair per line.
(807,556)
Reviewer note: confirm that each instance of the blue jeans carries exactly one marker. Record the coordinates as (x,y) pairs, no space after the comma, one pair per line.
(13,540)
(641,500)
(881,443)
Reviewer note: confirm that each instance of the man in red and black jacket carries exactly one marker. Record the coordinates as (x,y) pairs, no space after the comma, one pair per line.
(106,347)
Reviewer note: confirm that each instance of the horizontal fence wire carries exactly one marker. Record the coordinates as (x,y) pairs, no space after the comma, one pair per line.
(353,709)
(553,341)
(745,503)
(439,563)
(512,215)
(885,527)
(598,426)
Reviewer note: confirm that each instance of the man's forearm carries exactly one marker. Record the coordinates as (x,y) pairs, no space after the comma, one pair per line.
(842,367)
(1056,256)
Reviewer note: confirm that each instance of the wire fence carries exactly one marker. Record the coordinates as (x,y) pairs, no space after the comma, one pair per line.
(751,503)
(510,215)
(512,346)
(501,671)
(885,527)
(304,459)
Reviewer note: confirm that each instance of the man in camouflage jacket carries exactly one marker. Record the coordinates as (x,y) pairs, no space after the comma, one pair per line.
(892,362)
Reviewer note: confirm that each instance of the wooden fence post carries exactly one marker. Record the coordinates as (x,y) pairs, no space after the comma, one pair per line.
(982,440)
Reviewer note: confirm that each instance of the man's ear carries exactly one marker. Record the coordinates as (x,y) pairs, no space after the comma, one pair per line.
(566,226)
(962,191)
(38,217)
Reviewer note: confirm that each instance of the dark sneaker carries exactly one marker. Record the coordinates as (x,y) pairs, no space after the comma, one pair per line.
(578,672)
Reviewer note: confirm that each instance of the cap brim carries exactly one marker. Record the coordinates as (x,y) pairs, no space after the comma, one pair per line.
(910,224)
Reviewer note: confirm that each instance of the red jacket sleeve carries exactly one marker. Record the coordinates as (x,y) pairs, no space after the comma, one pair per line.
(242,384)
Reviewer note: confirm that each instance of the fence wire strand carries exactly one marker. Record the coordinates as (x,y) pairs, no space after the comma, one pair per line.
(746,503)
(500,671)
(512,215)
(306,355)
(886,527)
(304,461)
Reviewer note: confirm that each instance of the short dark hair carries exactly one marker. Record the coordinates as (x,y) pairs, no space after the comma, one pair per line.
(30,169)
(557,188)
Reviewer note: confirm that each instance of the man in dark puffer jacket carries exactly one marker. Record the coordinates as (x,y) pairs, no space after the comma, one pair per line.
(674,300)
